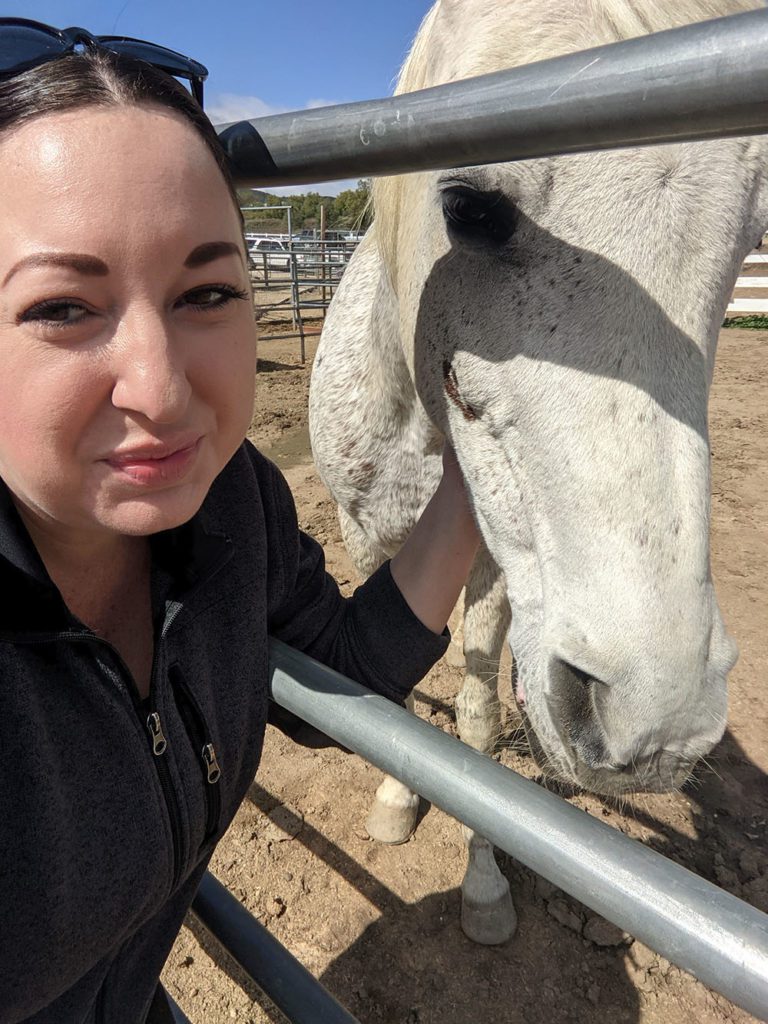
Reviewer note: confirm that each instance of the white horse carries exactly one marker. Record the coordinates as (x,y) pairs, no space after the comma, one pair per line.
(556,319)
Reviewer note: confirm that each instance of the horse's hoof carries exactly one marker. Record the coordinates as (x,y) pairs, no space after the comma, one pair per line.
(388,824)
(489,923)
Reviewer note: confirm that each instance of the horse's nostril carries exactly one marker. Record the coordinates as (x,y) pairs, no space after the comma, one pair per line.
(582,677)
(573,697)
(572,690)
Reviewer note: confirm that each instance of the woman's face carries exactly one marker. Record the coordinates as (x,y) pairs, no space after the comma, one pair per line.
(127,336)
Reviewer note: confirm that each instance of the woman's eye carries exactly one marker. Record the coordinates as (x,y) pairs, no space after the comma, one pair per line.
(59,313)
(212,296)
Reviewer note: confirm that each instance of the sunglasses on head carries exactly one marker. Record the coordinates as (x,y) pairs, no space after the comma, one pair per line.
(24,44)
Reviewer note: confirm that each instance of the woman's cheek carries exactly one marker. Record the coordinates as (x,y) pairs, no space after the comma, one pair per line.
(46,409)
(233,375)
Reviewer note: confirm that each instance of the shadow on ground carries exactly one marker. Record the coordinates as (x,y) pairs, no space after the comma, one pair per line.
(413,965)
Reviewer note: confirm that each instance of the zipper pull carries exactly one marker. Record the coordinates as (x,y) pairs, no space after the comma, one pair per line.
(211,764)
(159,742)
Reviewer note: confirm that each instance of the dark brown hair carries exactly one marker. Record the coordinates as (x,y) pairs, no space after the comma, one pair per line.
(100,78)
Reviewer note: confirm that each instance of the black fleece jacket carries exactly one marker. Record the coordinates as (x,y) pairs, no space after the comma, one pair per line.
(110,808)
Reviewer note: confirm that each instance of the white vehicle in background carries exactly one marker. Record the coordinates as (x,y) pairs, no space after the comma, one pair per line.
(271,253)
(319,255)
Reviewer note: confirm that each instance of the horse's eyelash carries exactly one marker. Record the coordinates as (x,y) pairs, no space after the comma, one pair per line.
(459,182)
(491,196)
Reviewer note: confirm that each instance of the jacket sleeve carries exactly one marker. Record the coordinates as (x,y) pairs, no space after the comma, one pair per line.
(372,637)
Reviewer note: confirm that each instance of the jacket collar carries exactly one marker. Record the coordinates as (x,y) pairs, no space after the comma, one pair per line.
(16,547)
(186,557)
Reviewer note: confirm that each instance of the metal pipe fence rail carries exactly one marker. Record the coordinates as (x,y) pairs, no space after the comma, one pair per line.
(698,82)
(289,985)
(306,274)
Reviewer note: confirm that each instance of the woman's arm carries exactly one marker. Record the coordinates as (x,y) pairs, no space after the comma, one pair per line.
(432,566)
(389,633)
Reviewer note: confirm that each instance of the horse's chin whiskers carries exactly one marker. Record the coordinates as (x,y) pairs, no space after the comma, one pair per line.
(708,767)
(717,719)
(483,659)
(645,801)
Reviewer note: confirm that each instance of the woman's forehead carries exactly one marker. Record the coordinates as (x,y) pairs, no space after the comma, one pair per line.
(98,170)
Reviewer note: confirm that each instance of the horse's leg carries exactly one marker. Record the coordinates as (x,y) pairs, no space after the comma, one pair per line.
(455,653)
(392,818)
(487,913)
(486,621)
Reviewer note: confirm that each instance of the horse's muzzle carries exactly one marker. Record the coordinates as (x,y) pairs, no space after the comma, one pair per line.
(588,757)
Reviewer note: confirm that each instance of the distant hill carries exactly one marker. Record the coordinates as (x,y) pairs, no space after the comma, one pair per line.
(347,211)
(262,198)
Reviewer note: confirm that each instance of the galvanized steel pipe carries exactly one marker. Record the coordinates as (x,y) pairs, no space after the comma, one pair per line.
(178,1015)
(717,937)
(290,986)
(698,82)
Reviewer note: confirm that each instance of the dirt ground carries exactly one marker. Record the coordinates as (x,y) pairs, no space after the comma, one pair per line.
(380,925)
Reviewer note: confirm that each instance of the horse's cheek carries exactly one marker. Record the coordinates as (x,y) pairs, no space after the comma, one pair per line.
(430,387)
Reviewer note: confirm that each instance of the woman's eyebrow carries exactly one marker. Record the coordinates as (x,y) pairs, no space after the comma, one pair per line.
(210,251)
(84,264)
(80,262)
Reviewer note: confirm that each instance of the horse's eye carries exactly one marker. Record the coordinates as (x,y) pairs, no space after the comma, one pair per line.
(479,216)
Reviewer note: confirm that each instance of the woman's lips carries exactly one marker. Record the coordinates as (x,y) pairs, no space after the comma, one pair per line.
(144,468)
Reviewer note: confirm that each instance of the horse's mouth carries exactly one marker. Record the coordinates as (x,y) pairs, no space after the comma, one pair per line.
(656,774)
(518,687)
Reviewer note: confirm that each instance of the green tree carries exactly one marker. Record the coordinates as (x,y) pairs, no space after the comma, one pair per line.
(351,208)
(349,211)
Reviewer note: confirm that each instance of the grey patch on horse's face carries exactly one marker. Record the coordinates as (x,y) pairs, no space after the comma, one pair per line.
(451,386)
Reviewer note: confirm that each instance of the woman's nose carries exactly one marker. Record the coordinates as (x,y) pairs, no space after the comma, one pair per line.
(150,371)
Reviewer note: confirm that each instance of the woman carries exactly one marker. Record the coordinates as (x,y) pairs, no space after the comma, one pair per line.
(146,549)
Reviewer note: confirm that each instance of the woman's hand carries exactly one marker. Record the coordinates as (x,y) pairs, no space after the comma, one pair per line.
(452,481)
(431,567)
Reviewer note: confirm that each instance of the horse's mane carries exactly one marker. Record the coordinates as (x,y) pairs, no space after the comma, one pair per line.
(461,38)
(496,34)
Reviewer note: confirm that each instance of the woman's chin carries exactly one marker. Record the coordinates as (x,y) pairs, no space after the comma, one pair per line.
(146,514)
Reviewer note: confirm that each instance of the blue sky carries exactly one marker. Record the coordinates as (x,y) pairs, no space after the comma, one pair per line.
(263,57)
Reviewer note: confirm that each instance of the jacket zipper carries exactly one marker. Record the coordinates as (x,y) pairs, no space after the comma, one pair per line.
(199,734)
(157,737)
(152,725)
(159,744)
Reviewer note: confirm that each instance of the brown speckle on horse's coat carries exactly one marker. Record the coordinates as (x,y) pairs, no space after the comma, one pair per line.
(451,385)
